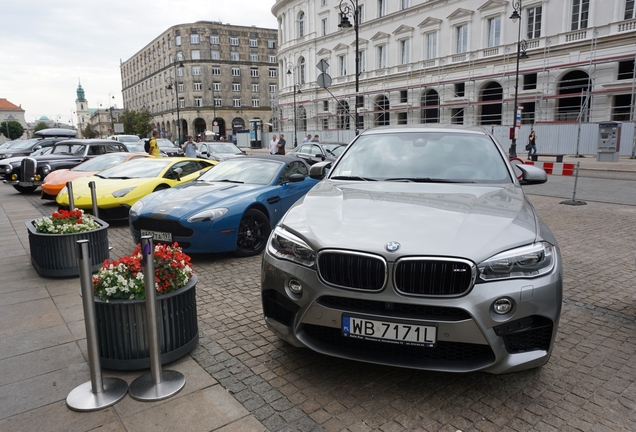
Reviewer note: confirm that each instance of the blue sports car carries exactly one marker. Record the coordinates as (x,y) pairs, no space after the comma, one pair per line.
(231,208)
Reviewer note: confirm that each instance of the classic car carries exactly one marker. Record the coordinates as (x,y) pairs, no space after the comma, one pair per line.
(119,187)
(231,208)
(29,173)
(417,249)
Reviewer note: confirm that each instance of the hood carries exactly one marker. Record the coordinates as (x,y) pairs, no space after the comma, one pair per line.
(455,220)
(62,176)
(181,201)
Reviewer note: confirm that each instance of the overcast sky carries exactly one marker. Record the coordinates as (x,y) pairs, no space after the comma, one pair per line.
(48,47)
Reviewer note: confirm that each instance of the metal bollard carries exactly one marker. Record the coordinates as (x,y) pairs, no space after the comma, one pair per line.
(91,185)
(574,201)
(71,201)
(157,384)
(99,392)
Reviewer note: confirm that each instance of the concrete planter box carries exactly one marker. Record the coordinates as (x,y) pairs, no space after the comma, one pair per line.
(123,335)
(54,255)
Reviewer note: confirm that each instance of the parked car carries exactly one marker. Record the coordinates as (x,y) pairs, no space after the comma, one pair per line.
(56,180)
(231,208)
(218,151)
(29,173)
(126,139)
(313,152)
(167,148)
(417,249)
(46,138)
(119,187)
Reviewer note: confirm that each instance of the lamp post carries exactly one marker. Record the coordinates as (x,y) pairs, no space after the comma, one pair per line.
(290,67)
(211,87)
(350,8)
(521,54)
(172,82)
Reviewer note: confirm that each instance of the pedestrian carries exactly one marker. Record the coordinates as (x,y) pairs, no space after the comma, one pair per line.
(190,148)
(307,139)
(154,147)
(316,139)
(273,145)
(281,145)
(532,144)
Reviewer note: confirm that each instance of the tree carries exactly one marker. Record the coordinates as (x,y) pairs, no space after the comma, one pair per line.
(38,127)
(11,130)
(88,132)
(136,122)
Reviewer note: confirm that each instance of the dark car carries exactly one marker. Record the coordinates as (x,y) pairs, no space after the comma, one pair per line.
(218,151)
(29,173)
(167,147)
(46,138)
(313,152)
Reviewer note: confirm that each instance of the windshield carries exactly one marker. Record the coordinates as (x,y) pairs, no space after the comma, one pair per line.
(423,156)
(21,145)
(334,149)
(164,143)
(244,170)
(137,168)
(224,148)
(72,149)
(127,139)
(101,162)
(42,151)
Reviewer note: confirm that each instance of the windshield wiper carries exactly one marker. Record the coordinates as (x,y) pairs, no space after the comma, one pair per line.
(119,178)
(426,180)
(353,178)
(229,181)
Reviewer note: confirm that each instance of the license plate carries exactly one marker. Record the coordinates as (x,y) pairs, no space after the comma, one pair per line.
(158,236)
(26,183)
(392,332)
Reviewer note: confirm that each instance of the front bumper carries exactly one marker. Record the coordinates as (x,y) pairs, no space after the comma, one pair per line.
(470,335)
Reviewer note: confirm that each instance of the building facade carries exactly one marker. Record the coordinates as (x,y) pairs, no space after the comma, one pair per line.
(204,77)
(456,61)
(11,112)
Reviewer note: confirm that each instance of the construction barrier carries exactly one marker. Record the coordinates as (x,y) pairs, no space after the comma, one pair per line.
(554,168)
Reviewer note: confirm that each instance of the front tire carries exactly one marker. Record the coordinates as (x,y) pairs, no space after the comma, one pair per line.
(253,233)
(25,189)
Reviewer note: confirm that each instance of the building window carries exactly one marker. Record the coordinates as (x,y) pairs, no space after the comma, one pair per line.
(494,31)
(236,71)
(342,65)
(253,43)
(462,38)
(457,116)
(198,102)
(323,27)
(254,88)
(381,8)
(196,70)
(381,56)
(196,86)
(234,41)
(302,70)
(177,40)
(362,60)
(460,89)
(361,10)
(325,105)
(195,54)
(180,72)
(301,24)
(273,73)
(534,22)
(530,81)
(254,73)
(271,58)
(271,44)
(323,2)
(256,102)
(272,88)
(236,87)
(215,54)
(216,86)
(217,101)
(580,13)
(404,4)
(234,55)
(253,57)
(405,49)
(236,102)
(180,87)
(431,45)
(216,70)
(194,38)
(404,96)
(629,9)
(214,39)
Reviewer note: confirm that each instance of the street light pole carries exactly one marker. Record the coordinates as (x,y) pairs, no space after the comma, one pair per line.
(173,82)
(353,10)
(521,53)
(290,67)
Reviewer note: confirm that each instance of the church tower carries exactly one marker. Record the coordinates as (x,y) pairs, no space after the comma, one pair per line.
(81,108)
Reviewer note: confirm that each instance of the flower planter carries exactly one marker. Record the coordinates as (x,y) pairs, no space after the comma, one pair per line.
(123,332)
(54,255)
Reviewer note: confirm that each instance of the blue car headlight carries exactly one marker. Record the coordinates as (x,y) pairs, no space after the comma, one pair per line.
(136,209)
(524,262)
(208,215)
(287,246)
(122,192)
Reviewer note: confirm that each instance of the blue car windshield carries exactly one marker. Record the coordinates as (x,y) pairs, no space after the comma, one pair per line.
(244,170)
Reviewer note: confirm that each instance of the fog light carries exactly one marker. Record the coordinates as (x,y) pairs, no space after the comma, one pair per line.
(295,286)
(14,177)
(502,306)
(37,177)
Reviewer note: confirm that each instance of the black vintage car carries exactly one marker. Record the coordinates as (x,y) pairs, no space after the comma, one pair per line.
(45,138)
(29,173)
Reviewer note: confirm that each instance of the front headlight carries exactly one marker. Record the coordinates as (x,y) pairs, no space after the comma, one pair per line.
(8,169)
(5,155)
(46,169)
(524,262)
(287,246)
(122,192)
(208,215)
(135,210)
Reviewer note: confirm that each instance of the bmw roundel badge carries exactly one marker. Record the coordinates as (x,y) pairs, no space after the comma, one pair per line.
(392,246)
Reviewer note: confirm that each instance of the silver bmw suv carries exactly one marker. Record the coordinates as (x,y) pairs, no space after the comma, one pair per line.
(418,249)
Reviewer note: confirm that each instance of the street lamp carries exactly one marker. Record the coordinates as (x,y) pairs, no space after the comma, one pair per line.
(211,87)
(521,54)
(112,120)
(172,83)
(290,66)
(350,8)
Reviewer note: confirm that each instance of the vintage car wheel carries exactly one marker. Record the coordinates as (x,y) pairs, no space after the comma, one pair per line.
(25,189)
(253,232)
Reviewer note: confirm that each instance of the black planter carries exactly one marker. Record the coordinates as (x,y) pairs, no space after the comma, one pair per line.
(123,335)
(54,255)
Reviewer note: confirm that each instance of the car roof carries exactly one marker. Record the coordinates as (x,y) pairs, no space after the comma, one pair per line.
(476,130)
(89,142)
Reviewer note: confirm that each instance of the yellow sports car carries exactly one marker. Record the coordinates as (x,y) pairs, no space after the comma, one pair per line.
(118,188)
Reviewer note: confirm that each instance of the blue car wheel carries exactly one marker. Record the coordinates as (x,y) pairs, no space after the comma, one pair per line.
(253,233)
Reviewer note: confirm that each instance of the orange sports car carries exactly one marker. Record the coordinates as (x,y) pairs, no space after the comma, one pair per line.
(56,180)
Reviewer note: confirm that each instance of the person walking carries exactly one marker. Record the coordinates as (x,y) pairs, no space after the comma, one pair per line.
(273,145)
(316,138)
(190,148)
(154,147)
(532,144)
(307,139)
(281,145)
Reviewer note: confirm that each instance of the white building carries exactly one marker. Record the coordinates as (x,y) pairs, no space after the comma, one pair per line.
(455,61)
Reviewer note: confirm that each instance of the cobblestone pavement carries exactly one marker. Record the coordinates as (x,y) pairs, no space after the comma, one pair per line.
(588,384)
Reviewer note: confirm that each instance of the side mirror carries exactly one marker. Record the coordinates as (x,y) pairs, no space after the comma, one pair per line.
(176,174)
(37,147)
(295,178)
(319,170)
(530,174)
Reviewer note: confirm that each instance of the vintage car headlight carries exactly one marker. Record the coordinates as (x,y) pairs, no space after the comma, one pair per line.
(208,215)
(287,246)
(8,169)
(524,262)
(122,192)
(46,169)
(5,155)
(136,208)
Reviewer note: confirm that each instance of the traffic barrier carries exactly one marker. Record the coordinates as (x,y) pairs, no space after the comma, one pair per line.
(554,168)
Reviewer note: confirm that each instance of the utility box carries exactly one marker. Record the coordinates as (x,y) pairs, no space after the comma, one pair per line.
(256,133)
(609,142)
